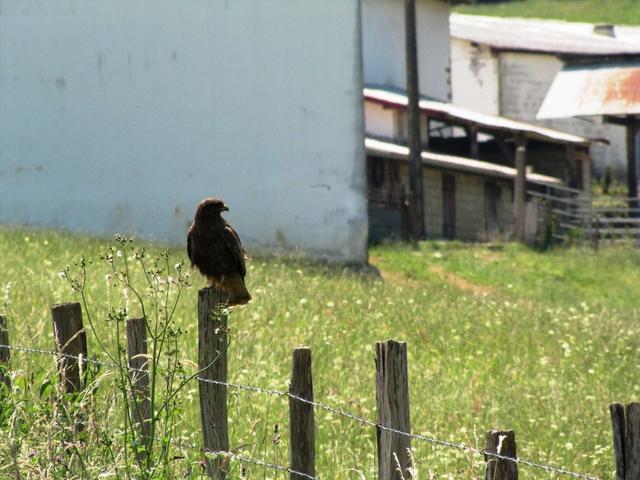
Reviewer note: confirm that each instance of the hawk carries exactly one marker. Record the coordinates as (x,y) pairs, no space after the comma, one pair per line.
(214,249)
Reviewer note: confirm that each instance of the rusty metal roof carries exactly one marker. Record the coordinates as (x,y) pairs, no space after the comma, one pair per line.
(548,36)
(392,150)
(458,115)
(597,89)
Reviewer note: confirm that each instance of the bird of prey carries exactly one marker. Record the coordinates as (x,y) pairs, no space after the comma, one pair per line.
(214,249)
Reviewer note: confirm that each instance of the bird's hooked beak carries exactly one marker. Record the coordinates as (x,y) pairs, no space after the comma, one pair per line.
(225,208)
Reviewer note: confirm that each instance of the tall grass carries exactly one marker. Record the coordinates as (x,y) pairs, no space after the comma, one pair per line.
(498,336)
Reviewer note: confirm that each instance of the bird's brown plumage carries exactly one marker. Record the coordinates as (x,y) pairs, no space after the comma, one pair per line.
(214,248)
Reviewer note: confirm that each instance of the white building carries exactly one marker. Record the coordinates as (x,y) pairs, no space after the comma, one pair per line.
(505,66)
(119,116)
(383,46)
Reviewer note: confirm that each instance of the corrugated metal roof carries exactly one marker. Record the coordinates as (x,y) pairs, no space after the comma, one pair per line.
(386,149)
(599,89)
(551,36)
(484,121)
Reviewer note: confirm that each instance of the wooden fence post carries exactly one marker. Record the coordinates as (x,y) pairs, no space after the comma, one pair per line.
(212,357)
(139,373)
(302,444)
(392,399)
(70,339)
(502,443)
(625,422)
(5,354)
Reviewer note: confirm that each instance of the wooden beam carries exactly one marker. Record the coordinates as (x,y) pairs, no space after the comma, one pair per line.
(632,175)
(519,189)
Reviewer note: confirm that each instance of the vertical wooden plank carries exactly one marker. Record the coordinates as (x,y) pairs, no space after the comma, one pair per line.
(618,428)
(5,353)
(136,329)
(503,443)
(212,355)
(632,442)
(302,444)
(519,192)
(632,175)
(392,399)
(474,147)
(70,339)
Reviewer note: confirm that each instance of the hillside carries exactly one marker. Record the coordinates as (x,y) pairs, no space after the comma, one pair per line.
(619,12)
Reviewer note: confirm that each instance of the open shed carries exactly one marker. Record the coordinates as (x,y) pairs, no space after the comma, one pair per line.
(463,198)
(454,130)
(610,90)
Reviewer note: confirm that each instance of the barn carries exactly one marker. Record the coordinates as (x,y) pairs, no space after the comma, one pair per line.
(505,66)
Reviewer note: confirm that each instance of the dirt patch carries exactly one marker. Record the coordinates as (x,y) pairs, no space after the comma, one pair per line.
(460,283)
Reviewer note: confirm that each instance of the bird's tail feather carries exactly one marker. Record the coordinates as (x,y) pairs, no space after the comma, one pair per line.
(235,288)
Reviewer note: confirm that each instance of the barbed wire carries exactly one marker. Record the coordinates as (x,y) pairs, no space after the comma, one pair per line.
(261,463)
(339,412)
(424,438)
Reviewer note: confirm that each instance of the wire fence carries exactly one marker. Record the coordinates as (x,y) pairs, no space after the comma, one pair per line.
(333,410)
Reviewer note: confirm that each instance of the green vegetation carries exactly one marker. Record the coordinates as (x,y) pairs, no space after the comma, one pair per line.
(620,12)
(498,337)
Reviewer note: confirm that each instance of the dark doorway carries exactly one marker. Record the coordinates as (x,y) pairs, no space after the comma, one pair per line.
(492,194)
(448,206)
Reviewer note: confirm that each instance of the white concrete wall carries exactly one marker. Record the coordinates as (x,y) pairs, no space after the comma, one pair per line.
(383,45)
(525,79)
(119,116)
(474,77)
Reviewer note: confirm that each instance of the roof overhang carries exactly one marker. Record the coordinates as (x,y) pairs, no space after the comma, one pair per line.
(400,152)
(594,89)
(463,116)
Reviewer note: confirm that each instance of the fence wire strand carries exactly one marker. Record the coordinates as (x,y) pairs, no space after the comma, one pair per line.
(272,466)
(334,411)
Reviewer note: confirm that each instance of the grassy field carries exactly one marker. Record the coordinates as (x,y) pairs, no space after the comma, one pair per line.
(620,12)
(498,337)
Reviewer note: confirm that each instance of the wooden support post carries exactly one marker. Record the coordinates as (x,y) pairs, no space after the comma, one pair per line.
(504,444)
(302,444)
(474,149)
(625,423)
(139,373)
(392,399)
(519,193)
(632,175)
(413,119)
(5,353)
(212,357)
(70,339)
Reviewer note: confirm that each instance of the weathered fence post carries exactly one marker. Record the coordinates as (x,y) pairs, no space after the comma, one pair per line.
(625,422)
(302,442)
(392,399)
(71,341)
(212,357)
(139,373)
(5,354)
(504,444)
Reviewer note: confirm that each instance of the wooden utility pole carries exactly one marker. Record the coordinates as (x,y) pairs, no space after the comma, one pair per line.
(519,193)
(416,197)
